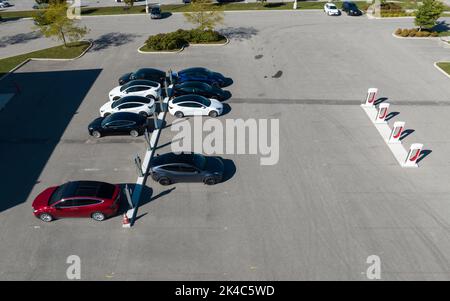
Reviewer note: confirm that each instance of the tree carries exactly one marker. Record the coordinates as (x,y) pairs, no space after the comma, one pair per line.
(129,3)
(428,13)
(203,16)
(53,22)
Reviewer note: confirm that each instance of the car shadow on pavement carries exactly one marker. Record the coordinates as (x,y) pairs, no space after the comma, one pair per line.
(391,115)
(406,133)
(32,124)
(380,100)
(113,39)
(229,169)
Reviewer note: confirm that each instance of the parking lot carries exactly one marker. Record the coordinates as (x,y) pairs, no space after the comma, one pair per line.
(336,196)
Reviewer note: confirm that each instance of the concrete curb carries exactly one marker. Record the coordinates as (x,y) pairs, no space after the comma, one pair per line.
(440,69)
(212,44)
(42,59)
(415,38)
(175,52)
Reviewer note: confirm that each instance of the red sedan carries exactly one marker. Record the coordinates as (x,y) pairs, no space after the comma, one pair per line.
(97,200)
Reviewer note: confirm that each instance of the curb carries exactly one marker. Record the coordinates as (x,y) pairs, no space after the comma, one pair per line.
(211,44)
(175,52)
(42,59)
(440,69)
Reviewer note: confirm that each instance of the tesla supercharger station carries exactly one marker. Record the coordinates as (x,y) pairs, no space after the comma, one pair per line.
(413,155)
(396,133)
(382,113)
(371,97)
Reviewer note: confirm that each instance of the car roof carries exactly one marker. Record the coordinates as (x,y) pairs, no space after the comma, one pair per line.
(132,98)
(124,116)
(194,69)
(141,82)
(88,189)
(189,97)
(193,84)
(150,70)
(172,158)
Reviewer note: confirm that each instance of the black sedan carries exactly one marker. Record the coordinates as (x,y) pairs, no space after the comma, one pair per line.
(200,74)
(171,168)
(144,73)
(118,123)
(200,88)
(351,8)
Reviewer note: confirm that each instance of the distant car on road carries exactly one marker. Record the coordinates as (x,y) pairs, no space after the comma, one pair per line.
(118,123)
(4,4)
(351,8)
(194,105)
(200,74)
(144,73)
(97,200)
(145,88)
(200,88)
(171,168)
(134,104)
(331,9)
(155,12)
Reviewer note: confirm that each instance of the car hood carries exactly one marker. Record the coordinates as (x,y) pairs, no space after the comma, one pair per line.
(114,91)
(95,123)
(215,164)
(106,106)
(125,78)
(42,199)
(216,104)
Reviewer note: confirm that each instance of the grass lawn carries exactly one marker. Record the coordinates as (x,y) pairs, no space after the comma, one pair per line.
(59,52)
(445,66)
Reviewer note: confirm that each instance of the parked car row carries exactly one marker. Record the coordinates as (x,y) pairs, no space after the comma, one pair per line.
(194,91)
(349,7)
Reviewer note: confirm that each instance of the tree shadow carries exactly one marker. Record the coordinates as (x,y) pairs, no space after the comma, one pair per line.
(113,39)
(239,33)
(19,38)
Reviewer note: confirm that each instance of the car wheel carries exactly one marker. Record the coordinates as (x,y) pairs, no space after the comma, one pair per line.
(164,181)
(96,134)
(143,114)
(106,114)
(216,84)
(134,133)
(213,114)
(45,217)
(209,181)
(116,98)
(150,96)
(179,114)
(98,216)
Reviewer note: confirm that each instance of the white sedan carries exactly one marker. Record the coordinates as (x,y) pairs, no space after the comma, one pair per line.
(4,4)
(195,105)
(135,104)
(331,9)
(145,88)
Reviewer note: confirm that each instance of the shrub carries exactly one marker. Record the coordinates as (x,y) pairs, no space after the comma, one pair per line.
(398,31)
(405,33)
(178,39)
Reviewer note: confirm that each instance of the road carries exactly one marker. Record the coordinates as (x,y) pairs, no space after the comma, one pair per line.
(336,196)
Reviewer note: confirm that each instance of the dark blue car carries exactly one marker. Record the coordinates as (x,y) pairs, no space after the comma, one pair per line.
(200,74)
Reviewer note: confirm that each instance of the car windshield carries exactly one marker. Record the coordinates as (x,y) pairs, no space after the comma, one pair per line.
(199,161)
(332,7)
(57,194)
(156,10)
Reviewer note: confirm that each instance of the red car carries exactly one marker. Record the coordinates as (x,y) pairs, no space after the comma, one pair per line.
(78,199)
